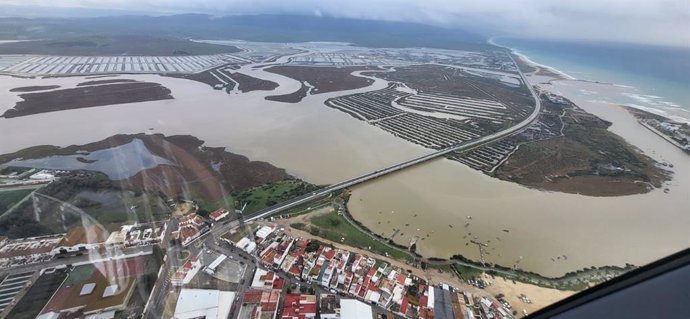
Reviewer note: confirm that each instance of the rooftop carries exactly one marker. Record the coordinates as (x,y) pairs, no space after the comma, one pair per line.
(354,309)
(82,235)
(29,246)
(203,303)
(97,287)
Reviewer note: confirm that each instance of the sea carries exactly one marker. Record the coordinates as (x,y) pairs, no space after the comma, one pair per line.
(653,78)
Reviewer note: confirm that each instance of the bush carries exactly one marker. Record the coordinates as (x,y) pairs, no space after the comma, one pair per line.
(300,226)
(312,246)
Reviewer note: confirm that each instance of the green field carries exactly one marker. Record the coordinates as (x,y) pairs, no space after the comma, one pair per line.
(270,194)
(115,208)
(335,227)
(10,198)
(466,272)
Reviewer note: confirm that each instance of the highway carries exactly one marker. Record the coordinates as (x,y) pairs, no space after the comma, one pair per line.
(464,146)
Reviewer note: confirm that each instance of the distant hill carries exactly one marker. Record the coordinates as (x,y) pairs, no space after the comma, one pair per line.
(113,45)
(270,28)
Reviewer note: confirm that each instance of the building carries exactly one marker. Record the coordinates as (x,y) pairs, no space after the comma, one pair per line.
(185,273)
(263,232)
(43,175)
(203,303)
(259,304)
(99,288)
(18,250)
(263,279)
(211,268)
(355,309)
(137,235)
(219,214)
(296,306)
(191,220)
(191,227)
(329,307)
(81,239)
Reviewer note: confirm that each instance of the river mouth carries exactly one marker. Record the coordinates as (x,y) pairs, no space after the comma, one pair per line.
(548,233)
(447,206)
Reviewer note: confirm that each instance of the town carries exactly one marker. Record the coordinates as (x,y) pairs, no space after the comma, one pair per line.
(253,270)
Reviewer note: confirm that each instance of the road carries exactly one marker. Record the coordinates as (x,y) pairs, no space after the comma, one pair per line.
(78,260)
(464,146)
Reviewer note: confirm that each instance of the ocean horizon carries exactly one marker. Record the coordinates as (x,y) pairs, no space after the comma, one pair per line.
(657,78)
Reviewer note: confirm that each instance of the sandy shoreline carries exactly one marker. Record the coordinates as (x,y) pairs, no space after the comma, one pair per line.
(632,92)
(531,62)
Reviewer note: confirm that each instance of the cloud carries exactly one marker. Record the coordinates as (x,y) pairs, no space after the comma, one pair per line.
(640,21)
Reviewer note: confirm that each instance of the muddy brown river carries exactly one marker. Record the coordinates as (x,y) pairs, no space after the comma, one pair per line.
(444,203)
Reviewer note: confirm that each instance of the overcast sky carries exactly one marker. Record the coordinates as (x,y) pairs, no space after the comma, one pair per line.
(640,21)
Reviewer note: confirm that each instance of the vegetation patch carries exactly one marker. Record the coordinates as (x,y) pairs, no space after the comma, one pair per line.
(84,97)
(11,198)
(586,159)
(271,194)
(336,228)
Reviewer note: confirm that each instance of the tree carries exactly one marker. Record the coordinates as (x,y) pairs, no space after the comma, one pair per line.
(312,246)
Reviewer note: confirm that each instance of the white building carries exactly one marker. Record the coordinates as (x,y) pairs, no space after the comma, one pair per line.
(264,231)
(203,303)
(42,176)
(354,309)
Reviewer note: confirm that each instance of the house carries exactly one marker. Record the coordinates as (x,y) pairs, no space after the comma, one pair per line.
(296,306)
(185,273)
(329,307)
(81,239)
(219,214)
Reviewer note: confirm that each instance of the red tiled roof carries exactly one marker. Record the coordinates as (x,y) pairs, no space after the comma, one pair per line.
(269,306)
(362,292)
(422,301)
(294,269)
(294,308)
(251,296)
(401,279)
(278,283)
(217,213)
(188,232)
(403,306)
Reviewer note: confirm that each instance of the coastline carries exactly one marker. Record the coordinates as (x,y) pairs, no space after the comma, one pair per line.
(637,97)
(662,135)
(522,56)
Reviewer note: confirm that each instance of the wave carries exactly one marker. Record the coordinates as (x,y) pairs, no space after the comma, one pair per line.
(627,95)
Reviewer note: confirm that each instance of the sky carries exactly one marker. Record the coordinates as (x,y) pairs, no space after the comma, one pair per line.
(665,22)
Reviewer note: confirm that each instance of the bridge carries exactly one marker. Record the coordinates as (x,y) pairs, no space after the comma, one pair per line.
(464,146)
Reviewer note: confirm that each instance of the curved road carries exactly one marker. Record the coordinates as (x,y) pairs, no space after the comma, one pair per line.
(464,146)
